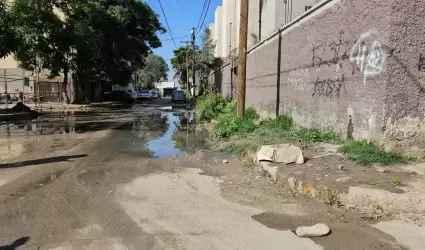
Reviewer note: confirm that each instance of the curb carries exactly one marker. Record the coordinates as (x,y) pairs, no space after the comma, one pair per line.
(372,201)
(300,187)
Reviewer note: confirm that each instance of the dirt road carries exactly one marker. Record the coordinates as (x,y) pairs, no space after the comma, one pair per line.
(142,178)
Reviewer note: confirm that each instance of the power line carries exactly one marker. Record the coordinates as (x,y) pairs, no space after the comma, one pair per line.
(166,21)
(180,37)
(202,14)
(205,16)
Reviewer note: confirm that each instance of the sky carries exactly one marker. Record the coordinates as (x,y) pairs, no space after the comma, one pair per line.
(182,15)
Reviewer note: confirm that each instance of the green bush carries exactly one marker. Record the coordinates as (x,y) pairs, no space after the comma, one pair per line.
(282,122)
(251,114)
(229,125)
(367,153)
(210,106)
(315,135)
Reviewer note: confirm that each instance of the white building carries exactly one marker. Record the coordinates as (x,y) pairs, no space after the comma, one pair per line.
(264,17)
(166,88)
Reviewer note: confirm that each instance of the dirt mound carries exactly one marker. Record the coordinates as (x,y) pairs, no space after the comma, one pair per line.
(19,108)
(18,112)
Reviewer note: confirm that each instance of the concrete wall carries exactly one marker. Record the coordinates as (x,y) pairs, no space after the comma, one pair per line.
(356,67)
(274,14)
(253,23)
(225,28)
(217,32)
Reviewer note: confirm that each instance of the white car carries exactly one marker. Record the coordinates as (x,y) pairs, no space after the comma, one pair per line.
(145,94)
(154,94)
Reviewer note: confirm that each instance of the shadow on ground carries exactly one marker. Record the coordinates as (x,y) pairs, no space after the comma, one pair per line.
(41,161)
(17,243)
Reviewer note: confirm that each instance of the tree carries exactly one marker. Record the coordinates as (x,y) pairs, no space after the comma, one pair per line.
(97,41)
(180,65)
(207,62)
(155,70)
(7,36)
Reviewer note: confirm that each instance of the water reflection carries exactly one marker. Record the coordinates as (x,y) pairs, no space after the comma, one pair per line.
(157,135)
(180,138)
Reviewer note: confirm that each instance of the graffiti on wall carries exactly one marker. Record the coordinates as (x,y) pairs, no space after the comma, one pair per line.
(421,63)
(329,87)
(330,53)
(367,55)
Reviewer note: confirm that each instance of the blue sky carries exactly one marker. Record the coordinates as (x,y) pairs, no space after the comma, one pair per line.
(182,15)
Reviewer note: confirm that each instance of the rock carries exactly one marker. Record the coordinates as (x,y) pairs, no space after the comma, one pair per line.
(317,230)
(280,153)
(309,165)
(340,167)
(225,161)
(271,170)
(313,192)
(300,188)
(382,170)
(343,179)
(331,148)
(292,182)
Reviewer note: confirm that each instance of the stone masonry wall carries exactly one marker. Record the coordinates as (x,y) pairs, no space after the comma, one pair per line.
(356,67)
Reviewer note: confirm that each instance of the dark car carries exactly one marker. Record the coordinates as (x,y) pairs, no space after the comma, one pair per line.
(120,96)
(178,96)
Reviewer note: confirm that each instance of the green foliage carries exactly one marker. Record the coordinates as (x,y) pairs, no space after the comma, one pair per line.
(7,35)
(367,153)
(251,114)
(182,62)
(97,41)
(396,182)
(155,70)
(182,65)
(210,106)
(229,125)
(315,135)
(283,122)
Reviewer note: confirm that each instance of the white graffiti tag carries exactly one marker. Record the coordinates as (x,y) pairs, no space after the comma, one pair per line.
(367,55)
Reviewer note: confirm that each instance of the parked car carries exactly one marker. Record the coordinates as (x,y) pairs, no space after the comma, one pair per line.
(3,98)
(154,94)
(122,95)
(144,94)
(178,96)
(132,92)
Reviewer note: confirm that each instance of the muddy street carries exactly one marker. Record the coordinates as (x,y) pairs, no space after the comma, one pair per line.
(143,178)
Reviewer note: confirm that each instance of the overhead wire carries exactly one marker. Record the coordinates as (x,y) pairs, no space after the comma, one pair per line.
(166,21)
(202,14)
(205,16)
(180,37)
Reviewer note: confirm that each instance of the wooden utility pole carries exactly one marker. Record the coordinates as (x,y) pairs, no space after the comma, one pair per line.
(193,66)
(231,58)
(242,57)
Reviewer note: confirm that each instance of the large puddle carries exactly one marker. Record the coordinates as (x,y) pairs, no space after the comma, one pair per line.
(137,132)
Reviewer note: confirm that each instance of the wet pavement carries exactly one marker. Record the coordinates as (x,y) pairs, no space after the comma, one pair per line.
(154,131)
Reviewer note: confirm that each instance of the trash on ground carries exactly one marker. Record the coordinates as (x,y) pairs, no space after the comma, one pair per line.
(281,153)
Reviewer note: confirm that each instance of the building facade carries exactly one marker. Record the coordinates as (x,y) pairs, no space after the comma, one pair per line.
(264,18)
